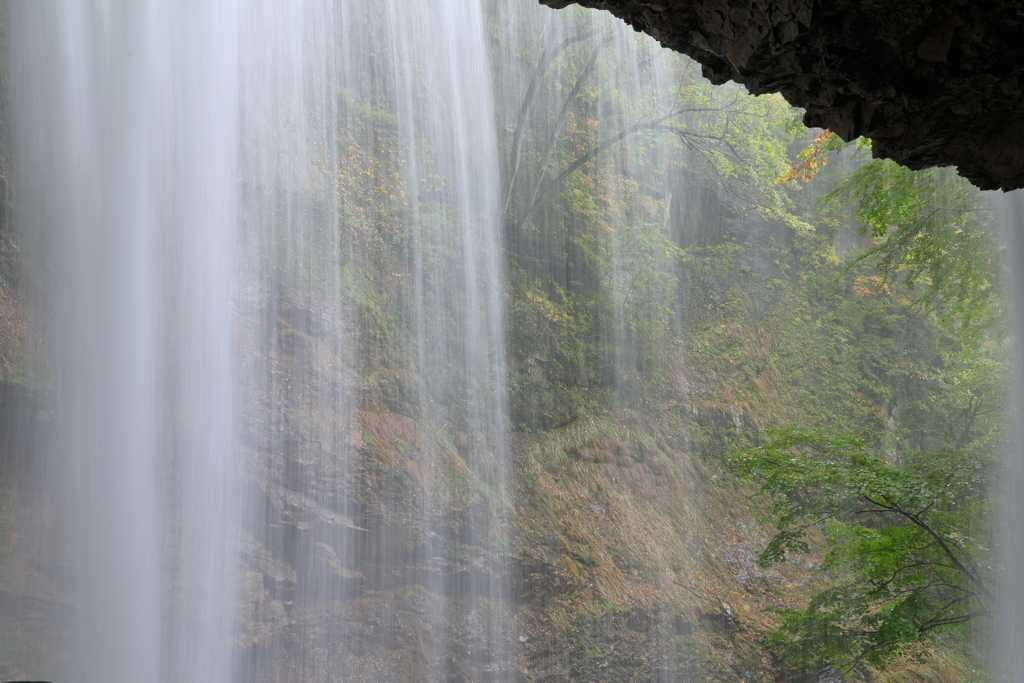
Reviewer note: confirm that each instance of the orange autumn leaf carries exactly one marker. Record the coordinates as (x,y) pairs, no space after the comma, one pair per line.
(810,160)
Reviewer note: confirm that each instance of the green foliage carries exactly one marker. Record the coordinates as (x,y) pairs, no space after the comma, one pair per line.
(803,339)
(929,229)
(906,542)
(902,350)
(551,354)
(964,401)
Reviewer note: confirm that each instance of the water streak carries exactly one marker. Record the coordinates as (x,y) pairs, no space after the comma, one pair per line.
(122,113)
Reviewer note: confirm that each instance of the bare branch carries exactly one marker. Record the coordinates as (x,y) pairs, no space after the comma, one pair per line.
(547,56)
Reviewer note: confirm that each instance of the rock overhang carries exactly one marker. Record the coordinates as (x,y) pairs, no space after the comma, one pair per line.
(930,82)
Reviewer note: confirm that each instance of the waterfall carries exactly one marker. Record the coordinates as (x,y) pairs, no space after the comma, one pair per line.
(123,116)
(197,182)
(1010,622)
(369,182)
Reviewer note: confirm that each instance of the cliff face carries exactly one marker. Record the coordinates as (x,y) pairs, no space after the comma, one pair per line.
(930,82)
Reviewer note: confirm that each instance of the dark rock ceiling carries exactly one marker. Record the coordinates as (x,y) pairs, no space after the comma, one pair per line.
(932,83)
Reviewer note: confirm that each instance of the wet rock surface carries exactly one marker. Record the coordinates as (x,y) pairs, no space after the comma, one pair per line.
(931,83)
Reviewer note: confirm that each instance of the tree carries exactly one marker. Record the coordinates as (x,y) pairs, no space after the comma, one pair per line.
(930,229)
(905,542)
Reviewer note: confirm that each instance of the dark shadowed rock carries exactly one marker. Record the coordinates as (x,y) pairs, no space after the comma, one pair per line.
(930,82)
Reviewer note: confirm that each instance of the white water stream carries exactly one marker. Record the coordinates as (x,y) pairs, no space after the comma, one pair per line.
(147,134)
(126,124)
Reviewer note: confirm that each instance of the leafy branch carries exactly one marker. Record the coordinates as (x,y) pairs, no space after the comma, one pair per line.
(899,539)
(928,228)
